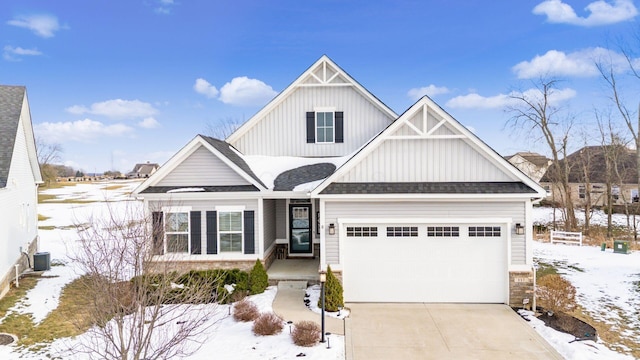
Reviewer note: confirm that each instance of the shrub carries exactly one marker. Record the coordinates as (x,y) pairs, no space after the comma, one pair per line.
(332,293)
(556,293)
(244,310)
(258,279)
(268,324)
(306,333)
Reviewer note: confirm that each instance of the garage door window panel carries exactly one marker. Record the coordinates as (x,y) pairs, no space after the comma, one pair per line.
(484,231)
(362,231)
(443,231)
(402,231)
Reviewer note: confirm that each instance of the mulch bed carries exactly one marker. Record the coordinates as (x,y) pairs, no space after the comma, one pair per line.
(570,325)
(6,339)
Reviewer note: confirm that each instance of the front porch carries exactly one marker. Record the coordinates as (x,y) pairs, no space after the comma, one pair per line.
(294,269)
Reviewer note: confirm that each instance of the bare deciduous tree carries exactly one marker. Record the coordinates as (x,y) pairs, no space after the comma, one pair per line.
(48,154)
(536,113)
(222,128)
(138,311)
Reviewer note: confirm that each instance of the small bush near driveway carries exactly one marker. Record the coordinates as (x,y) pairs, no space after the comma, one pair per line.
(306,333)
(556,293)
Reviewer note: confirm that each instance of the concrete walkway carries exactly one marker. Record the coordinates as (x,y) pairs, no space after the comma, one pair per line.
(289,305)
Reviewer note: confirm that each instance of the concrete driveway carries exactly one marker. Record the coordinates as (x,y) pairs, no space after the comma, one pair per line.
(441,331)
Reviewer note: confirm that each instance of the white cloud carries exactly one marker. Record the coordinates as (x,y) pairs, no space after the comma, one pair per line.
(246,92)
(149,123)
(431,90)
(42,25)
(11,53)
(80,130)
(578,63)
(475,101)
(203,87)
(117,108)
(165,7)
(600,12)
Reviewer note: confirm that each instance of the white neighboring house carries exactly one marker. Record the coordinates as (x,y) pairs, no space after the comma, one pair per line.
(19,179)
(410,208)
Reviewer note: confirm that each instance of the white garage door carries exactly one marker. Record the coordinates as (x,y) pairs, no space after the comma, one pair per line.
(424,263)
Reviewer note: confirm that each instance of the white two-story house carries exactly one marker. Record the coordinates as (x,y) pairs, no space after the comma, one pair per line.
(405,208)
(19,179)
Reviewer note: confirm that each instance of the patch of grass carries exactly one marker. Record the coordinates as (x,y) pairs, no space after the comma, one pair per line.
(113,187)
(45,197)
(15,294)
(42,217)
(48,227)
(611,334)
(545,269)
(67,201)
(70,318)
(57,185)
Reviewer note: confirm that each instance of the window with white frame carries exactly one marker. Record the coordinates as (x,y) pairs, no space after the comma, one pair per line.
(402,231)
(484,231)
(230,231)
(362,231)
(325,127)
(176,232)
(582,191)
(634,195)
(615,192)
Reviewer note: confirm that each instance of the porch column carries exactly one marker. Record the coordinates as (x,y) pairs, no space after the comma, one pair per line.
(323,262)
(260,229)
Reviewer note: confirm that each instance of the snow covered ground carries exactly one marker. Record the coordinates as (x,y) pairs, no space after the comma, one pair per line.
(607,287)
(227,339)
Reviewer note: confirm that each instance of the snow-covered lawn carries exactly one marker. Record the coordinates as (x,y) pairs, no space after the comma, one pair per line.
(607,288)
(226,339)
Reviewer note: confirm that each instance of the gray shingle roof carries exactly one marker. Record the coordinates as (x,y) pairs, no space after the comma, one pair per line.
(288,180)
(430,188)
(231,188)
(225,149)
(11,98)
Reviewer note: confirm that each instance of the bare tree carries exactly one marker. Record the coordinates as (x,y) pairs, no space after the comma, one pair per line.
(536,113)
(630,117)
(139,311)
(48,154)
(223,128)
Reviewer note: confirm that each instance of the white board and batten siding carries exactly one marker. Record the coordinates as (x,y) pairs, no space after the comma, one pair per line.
(210,205)
(282,131)
(202,168)
(425,161)
(336,210)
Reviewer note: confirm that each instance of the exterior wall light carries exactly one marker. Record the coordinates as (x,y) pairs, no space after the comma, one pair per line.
(519,229)
(332,229)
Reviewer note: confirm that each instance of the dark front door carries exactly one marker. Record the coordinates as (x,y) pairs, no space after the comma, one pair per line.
(300,235)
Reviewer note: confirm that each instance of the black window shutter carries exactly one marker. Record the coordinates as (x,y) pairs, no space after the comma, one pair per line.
(212,232)
(196,232)
(311,127)
(157,233)
(249,233)
(339,126)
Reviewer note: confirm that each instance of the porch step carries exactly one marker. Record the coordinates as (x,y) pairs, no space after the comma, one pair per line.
(290,284)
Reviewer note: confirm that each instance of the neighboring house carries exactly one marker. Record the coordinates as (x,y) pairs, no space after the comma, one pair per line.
(588,176)
(532,164)
(410,208)
(19,179)
(143,171)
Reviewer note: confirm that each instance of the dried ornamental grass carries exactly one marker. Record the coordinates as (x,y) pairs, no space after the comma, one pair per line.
(244,310)
(306,333)
(268,324)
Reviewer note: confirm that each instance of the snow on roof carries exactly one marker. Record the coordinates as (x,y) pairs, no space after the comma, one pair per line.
(267,168)
(186,189)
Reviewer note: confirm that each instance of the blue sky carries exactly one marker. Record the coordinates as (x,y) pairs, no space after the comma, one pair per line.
(126,81)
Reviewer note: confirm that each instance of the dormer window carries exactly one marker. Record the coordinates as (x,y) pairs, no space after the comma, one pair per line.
(325,126)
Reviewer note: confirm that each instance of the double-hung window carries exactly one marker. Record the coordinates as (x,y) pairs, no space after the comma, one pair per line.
(176,232)
(230,231)
(325,127)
